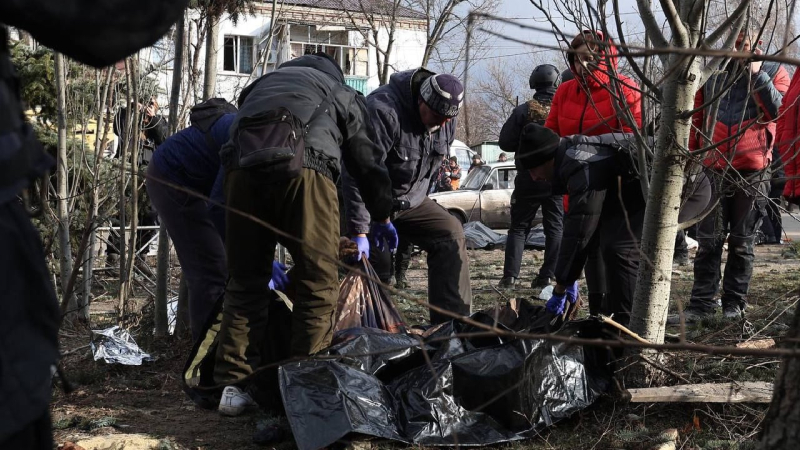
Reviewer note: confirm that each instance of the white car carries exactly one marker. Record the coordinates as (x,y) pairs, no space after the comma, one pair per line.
(484,195)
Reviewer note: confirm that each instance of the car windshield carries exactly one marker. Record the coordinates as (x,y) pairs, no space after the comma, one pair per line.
(475,178)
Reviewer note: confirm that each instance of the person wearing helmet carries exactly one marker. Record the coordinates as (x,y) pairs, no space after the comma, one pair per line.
(528,194)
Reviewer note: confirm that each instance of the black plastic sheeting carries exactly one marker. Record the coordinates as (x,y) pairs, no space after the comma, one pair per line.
(479,236)
(442,389)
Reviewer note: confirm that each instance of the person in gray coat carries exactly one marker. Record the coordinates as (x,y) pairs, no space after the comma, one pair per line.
(414,119)
(300,201)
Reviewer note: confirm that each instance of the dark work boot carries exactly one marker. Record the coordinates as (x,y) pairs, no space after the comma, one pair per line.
(507,283)
(541,282)
(691,315)
(681,259)
(733,312)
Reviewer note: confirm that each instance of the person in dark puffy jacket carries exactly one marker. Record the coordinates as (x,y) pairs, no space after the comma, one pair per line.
(302,204)
(606,209)
(528,195)
(92,33)
(414,119)
(749,96)
(585,105)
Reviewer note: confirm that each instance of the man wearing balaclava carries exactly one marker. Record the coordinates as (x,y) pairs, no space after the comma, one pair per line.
(414,120)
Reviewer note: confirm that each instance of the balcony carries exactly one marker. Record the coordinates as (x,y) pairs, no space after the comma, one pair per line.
(357,83)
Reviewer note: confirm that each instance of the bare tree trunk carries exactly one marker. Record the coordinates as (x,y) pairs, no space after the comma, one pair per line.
(651,299)
(781,429)
(210,76)
(162,271)
(63,174)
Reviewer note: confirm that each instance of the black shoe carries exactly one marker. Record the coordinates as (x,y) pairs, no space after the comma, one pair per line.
(690,315)
(681,259)
(541,282)
(507,283)
(733,312)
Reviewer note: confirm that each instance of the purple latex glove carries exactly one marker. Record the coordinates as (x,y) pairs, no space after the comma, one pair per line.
(280,279)
(384,234)
(572,293)
(557,303)
(363,246)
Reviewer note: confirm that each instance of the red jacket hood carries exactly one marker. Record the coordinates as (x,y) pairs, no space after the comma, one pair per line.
(608,54)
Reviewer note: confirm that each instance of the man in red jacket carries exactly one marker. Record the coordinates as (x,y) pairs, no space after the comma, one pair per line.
(741,138)
(788,141)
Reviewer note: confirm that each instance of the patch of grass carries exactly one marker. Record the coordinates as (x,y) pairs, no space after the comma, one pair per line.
(791,251)
(84,423)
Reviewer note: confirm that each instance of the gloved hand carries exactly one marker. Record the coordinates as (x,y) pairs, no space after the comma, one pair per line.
(363,246)
(280,280)
(558,302)
(572,293)
(384,233)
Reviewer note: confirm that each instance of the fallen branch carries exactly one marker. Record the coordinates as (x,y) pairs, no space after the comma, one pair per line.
(664,369)
(746,392)
(623,328)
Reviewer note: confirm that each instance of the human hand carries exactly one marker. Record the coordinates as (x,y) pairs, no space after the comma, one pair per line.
(363,246)
(280,279)
(755,66)
(557,303)
(384,233)
(572,293)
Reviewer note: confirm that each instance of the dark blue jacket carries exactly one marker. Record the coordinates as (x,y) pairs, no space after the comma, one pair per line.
(187,160)
(411,154)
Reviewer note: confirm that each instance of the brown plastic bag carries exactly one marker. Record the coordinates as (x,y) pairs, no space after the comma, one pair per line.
(363,303)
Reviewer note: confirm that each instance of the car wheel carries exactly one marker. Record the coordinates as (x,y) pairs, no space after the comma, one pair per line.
(458,215)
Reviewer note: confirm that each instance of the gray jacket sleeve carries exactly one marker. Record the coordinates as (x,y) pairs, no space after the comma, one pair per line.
(366,185)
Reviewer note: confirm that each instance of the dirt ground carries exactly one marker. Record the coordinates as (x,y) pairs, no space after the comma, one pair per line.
(112,400)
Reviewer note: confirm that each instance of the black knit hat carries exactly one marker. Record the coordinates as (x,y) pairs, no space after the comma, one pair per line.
(443,93)
(537,145)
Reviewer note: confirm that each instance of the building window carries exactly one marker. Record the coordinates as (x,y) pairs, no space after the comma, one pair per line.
(238,54)
(306,40)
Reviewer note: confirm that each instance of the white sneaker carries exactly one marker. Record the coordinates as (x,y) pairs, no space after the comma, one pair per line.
(234,401)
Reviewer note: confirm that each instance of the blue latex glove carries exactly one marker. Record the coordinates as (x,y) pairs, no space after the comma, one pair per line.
(383,235)
(572,293)
(363,246)
(280,280)
(557,303)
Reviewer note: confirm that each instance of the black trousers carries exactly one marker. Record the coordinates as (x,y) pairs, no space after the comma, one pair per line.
(37,435)
(198,244)
(772,226)
(527,198)
(737,217)
(441,236)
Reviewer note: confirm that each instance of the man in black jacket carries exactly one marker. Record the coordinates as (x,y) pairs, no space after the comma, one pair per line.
(303,208)
(96,33)
(529,195)
(606,205)
(413,117)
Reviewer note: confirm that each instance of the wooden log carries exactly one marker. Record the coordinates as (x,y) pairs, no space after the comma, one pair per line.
(745,392)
